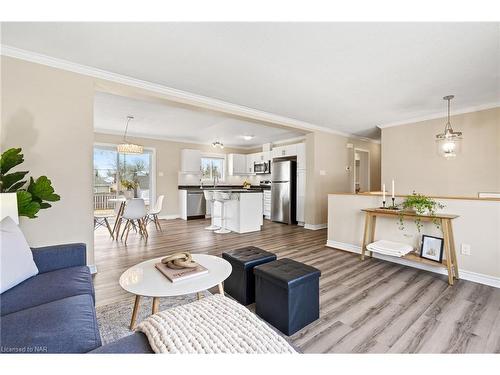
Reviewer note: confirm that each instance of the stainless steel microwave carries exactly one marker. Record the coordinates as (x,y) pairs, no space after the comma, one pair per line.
(262,167)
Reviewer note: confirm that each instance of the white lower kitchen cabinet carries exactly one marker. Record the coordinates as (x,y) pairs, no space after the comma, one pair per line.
(243,215)
(266,204)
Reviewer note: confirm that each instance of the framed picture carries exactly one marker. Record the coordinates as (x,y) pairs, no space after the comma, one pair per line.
(432,248)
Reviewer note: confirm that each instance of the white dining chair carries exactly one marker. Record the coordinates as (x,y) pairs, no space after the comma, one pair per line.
(153,212)
(135,215)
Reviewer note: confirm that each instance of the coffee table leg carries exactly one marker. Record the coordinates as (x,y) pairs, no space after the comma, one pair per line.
(156,305)
(199,295)
(221,289)
(135,311)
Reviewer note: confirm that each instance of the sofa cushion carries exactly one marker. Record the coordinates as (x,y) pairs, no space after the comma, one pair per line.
(68,325)
(47,287)
(135,343)
(16,258)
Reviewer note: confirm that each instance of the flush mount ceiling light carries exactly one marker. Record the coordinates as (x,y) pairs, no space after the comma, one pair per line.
(127,147)
(449,142)
(217,144)
(248,137)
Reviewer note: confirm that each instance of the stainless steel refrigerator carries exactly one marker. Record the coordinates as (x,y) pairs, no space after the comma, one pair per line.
(283,193)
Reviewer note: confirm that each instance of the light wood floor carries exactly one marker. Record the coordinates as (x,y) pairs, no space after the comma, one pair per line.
(371,306)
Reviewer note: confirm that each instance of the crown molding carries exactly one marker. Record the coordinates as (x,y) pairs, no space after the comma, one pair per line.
(167,139)
(170,93)
(439,115)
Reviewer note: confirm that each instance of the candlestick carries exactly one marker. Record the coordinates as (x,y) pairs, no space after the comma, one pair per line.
(393,204)
(383,203)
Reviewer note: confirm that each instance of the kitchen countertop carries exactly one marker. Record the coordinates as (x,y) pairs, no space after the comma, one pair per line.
(232,188)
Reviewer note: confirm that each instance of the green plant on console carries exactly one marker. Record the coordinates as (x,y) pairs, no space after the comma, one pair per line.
(422,205)
(32,196)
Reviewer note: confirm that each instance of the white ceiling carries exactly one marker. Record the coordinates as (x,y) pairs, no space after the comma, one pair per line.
(349,77)
(167,120)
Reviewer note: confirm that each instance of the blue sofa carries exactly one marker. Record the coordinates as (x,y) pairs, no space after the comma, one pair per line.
(52,312)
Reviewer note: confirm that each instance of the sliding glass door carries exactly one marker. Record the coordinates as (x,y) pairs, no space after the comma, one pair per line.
(115,175)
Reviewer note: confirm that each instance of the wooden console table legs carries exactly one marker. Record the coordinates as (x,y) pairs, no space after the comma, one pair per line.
(369,233)
(450,261)
(449,249)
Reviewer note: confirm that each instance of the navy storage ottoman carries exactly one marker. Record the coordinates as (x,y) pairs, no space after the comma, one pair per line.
(287,294)
(241,283)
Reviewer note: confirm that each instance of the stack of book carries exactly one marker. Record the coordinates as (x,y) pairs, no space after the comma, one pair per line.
(395,249)
(175,275)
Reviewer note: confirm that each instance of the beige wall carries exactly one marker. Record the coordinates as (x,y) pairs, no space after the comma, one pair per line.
(409,156)
(327,159)
(49,113)
(168,162)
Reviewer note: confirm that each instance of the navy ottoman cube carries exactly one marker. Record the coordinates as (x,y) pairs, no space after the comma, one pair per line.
(287,294)
(241,283)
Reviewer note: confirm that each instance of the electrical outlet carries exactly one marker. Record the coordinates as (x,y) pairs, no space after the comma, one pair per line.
(465,250)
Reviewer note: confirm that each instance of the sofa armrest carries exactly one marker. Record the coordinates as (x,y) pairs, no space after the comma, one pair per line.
(51,258)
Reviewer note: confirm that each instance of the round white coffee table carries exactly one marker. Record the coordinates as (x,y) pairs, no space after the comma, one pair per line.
(144,279)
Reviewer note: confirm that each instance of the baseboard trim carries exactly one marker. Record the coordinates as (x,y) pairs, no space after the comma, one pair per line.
(168,217)
(92,268)
(464,274)
(315,226)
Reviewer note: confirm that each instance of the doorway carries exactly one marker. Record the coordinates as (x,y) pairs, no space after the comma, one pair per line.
(361,183)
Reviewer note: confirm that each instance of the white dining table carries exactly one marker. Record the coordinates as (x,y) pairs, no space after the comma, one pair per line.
(119,214)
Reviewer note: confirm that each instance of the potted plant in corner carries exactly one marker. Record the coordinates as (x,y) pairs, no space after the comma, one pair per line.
(32,196)
(419,204)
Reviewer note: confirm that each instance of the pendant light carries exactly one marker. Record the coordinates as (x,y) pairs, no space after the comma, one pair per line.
(217,144)
(449,143)
(127,147)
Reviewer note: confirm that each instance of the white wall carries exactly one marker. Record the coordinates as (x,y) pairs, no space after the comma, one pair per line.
(409,156)
(49,113)
(327,159)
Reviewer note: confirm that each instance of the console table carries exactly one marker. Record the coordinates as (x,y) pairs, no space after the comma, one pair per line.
(450,262)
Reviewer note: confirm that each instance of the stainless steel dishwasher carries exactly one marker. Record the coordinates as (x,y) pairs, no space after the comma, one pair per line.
(196,204)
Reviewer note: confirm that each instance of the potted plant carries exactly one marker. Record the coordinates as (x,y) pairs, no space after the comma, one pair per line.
(419,204)
(32,196)
(129,187)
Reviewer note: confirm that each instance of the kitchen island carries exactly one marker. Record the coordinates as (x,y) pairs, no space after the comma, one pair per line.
(242,212)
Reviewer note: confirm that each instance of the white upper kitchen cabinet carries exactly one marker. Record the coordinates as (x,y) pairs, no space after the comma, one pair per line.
(251,158)
(301,156)
(237,164)
(190,161)
(281,151)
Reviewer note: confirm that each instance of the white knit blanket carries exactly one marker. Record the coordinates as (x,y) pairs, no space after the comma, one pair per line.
(215,324)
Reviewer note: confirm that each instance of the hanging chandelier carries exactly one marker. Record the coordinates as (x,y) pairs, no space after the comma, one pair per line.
(127,147)
(217,144)
(449,143)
